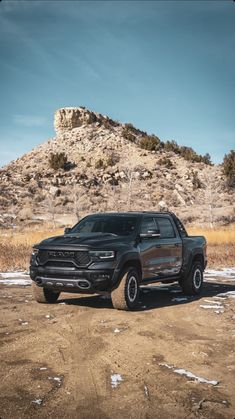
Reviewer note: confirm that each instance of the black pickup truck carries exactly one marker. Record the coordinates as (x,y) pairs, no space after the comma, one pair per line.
(115,253)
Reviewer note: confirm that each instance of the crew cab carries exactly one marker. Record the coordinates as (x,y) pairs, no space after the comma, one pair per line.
(116,253)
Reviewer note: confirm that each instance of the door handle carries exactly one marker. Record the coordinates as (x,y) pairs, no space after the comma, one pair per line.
(177,244)
(158,245)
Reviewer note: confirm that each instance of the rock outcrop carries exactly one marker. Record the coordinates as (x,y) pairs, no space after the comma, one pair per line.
(67,119)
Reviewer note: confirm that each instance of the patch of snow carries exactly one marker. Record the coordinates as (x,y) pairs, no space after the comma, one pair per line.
(189,374)
(13,275)
(116,331)
(57,379)
(37,401)
(146,391)
(214,306)
(212,302)
(219,298)
(230,294)
(16,281)
(24,323)
(225,273)
(115,380)
(48,316)
(43,368)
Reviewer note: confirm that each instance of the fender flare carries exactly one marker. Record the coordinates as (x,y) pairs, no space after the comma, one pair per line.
(194,255)
(127,259)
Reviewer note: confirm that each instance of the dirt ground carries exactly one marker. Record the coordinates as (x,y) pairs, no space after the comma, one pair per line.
(80,358)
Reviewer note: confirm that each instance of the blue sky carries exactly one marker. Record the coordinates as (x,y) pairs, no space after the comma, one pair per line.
(165,66)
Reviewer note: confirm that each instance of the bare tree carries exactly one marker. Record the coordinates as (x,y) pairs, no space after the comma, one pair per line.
(76,201)
(211,197)
(50,206)
(130,175)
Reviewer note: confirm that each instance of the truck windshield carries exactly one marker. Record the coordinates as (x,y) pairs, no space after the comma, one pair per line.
(120,226)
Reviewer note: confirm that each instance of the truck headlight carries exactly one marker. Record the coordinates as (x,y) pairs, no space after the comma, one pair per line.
(102,254)
(34,252)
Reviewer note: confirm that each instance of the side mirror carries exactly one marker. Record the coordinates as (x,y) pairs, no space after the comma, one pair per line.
(67,230)
(150,234)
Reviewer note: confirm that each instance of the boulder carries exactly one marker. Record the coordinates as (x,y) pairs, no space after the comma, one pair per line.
(54,191)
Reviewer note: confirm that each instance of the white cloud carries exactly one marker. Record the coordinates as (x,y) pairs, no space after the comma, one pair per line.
(29,120)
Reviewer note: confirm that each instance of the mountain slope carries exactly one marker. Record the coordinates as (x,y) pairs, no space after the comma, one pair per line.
(108,170)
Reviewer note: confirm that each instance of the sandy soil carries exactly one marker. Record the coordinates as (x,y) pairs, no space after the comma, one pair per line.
(83,359)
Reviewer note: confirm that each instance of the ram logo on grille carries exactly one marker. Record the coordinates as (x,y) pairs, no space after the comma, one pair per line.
(60,254)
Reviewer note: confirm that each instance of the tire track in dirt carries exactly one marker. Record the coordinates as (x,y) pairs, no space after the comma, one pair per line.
(82,354)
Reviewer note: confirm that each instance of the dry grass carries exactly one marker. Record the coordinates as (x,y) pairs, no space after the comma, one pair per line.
(221,256)
(220,245)
(215,237)
(15,248)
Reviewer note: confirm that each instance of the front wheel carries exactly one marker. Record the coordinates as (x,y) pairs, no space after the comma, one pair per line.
(44,295)
(126,296)
(193,282)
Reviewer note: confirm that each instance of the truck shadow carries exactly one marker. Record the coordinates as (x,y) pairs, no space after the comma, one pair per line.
(154,296)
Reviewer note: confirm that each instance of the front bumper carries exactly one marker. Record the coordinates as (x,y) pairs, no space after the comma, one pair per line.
(82,281)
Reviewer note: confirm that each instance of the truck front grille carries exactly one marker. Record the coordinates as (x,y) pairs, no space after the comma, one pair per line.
(79,257)
(82,258)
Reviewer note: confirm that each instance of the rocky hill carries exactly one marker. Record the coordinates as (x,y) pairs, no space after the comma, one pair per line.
(109,166)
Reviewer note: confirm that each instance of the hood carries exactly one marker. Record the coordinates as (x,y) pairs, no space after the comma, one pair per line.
(91,241)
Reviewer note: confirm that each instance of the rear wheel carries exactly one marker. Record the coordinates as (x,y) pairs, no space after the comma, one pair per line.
(126,296)
(193,282)
(44,295)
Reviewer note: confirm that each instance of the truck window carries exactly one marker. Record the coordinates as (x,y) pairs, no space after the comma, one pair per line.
(165,227)
(147,224)
(119,225)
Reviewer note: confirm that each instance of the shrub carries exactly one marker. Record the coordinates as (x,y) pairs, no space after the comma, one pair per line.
(128,135)
(58,160)
(229,167)
(172,146)
(112,159)
(99,164)
(129,126)
(106,123)
(197,184)
(151,143)
(164,161)
(187,152)
(207,159)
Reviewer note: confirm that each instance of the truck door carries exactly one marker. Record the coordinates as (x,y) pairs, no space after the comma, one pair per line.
(169,249)
(148,249)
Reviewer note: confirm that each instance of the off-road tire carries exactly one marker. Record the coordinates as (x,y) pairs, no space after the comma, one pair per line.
(126,296)
(192,283)
(44,295)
